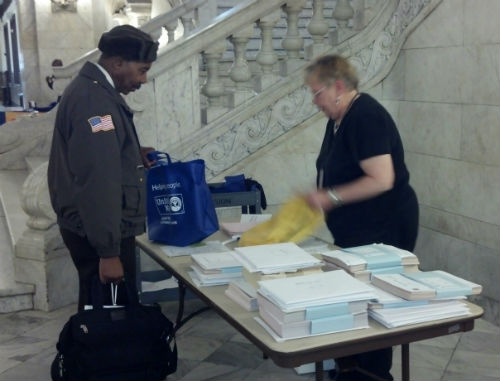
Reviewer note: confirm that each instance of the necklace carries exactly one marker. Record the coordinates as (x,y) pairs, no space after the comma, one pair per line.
(336,126)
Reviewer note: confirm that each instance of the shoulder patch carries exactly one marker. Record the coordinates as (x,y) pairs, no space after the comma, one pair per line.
(101,123)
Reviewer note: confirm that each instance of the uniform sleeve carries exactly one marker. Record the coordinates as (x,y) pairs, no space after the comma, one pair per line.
(372,137)
(94,156)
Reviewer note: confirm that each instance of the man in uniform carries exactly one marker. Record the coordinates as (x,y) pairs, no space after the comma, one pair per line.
(96,168)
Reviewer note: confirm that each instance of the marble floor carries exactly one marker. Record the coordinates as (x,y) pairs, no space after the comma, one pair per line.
(210,349)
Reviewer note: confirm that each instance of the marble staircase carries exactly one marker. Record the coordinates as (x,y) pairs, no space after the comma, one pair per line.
(206,101)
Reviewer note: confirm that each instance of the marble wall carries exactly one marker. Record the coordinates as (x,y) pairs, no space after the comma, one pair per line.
(46,35)
(444,93)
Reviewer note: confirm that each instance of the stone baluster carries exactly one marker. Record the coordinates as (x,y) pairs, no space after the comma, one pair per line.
(213,88)
(40,253)
(240,71)
(171,28)
(189,21)
(317,28)
(358,20)
(342,13)
(267,56)
(293,42)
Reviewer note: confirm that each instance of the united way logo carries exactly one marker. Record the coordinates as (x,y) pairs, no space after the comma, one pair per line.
(169,204)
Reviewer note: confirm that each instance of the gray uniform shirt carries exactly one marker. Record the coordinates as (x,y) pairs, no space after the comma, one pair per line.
(96,175)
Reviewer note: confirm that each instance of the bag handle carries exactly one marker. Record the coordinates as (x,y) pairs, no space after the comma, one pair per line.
(97,297)
(159,156)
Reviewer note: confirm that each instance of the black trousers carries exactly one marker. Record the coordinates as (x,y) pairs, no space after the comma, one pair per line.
(402,233)
(86,261)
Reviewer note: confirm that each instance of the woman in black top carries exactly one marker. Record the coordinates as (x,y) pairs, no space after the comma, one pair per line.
(363,182)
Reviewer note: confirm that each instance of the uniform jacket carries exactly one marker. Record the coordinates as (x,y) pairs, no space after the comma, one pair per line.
(96,174)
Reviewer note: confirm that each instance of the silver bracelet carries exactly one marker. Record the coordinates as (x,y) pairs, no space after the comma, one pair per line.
(336,199)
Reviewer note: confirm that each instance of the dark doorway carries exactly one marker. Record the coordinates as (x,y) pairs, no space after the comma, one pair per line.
(12,90)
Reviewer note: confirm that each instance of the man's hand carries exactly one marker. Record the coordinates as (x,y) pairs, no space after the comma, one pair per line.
(110,270)
(144,154)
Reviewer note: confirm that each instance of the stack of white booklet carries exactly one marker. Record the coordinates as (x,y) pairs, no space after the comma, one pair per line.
(363,261)
(411,298)
(277,260)
(212,269)
(313,304)
(243,293)
(426,285)
(396,317)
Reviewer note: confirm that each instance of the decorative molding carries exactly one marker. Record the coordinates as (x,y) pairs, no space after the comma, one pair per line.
(243,139)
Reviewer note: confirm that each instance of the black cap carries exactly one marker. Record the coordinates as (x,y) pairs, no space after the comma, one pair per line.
(129,43)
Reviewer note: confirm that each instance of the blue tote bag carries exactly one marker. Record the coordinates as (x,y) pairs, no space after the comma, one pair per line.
(179,204)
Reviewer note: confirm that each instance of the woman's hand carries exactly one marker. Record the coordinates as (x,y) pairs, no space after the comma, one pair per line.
(319,200)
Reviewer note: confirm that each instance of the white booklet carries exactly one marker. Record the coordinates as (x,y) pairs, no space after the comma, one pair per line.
(294,293)
(400,285)
(225,262)
(276,257)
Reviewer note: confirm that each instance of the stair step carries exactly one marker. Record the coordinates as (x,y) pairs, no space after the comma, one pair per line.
(19,297)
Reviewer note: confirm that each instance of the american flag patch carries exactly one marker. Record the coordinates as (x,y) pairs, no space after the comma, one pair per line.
(101,123)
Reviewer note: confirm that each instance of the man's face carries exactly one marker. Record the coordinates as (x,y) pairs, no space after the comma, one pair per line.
(130,75)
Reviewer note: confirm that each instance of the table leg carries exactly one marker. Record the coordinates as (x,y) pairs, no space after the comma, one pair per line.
(405,361)
(319,370)
(182,295)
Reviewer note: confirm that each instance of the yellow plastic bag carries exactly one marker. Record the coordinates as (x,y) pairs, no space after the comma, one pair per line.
(294,222)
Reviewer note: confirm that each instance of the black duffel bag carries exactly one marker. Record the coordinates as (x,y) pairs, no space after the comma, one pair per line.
(134,342)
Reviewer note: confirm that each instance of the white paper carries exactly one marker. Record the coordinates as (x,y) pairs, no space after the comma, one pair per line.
(216,261)
(277,257)
(315,289)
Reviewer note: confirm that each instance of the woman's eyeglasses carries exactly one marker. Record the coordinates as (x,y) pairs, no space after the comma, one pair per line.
(318,92)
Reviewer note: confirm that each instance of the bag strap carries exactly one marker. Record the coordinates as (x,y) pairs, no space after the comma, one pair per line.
(159,156)
(97,297)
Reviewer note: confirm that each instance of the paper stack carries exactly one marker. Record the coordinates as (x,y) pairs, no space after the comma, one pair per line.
(364,261)
(411,298)
(426,285)
(212,269)
(314,304)
(243,293)
(277,260)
